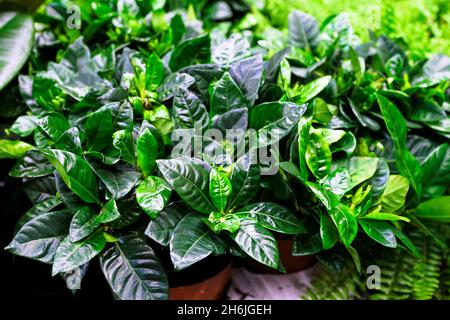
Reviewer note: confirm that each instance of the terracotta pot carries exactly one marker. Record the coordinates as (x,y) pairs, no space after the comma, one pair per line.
(212,288)
(291,263)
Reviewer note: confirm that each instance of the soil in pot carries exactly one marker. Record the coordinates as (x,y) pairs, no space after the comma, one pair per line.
(291,263)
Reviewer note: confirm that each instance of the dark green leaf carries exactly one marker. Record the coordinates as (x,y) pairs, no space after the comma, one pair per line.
(303,30)
(54,125)
(190,52)
(16,41)
(192,240)
(152,194)
(244,181)
(345,222)
(133,270)
(272,216)
(39,238)
(99,130)
(380,231)
(274,120)
(436,167)
(32,165)
(123,141)
(71,255)
(190,181)
(379,178)
(226,96)
(161,228)
(189,110)
(76,173)
(86,220)
(247,74)
(37,210)
(257,242)
(407,165)
(305,245)
(327,232)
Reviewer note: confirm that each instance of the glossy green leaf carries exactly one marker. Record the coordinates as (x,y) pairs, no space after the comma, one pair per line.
(16,39)
(436,167)
(379,231)
(384,216)
(190,181)
(274,120)
(327,232)
(272,216)
(346,144)
(23,126)
(189,110)
(219,189)
(133,270)
(86,220)
(152,194)
(235,48)
(361,169)
(226,96)
(190,52)
(71,255)
(38,209)
(407,165)
(99,130)
(437,209)
(312,89)
(247,74)
(331,136)
(76,174)
(154,72)
(304,128)
(147,152)
(306,245)
(380,178)
(122,114)
(161,228)
(394,195)
(257,242)
(218,222)
(192,240)
(123,141)
(32,165)
(244,180)
(318,155)
(303,30)
(338,181)
(69,140)
(54,125)
(119,180)
(39,238)
(233,119)
(345,223)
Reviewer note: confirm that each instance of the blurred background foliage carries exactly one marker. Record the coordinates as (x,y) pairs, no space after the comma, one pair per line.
(422,24)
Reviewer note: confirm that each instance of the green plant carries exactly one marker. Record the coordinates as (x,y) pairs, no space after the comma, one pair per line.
(122,129)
